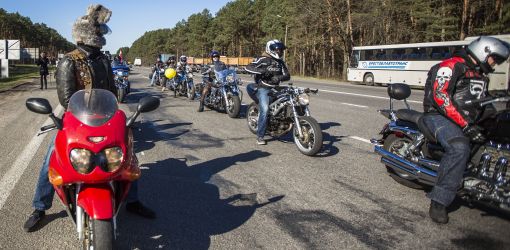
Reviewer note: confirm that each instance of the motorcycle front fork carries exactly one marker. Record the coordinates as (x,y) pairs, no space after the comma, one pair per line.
(296,120)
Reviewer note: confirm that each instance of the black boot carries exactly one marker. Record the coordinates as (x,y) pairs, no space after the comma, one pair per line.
(33,220)
(437,212)
(139,209)
(201,106)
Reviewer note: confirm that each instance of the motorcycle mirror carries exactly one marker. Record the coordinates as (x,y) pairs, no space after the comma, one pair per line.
(39,105)
(148,104)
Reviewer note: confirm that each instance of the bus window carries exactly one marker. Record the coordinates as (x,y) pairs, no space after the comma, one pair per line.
(366,55)
(354,59)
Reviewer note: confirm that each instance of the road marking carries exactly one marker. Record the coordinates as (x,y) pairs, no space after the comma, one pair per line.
(9,180)
(355,105)
(362,95)
(360,139)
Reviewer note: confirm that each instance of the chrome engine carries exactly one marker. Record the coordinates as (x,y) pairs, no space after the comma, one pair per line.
(488,178)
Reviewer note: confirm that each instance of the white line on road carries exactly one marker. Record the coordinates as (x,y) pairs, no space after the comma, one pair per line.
(9,180)
(363,95)
(360,139)
(355,105)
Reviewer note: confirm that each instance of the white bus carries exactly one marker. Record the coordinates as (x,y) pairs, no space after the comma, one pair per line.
(410,63)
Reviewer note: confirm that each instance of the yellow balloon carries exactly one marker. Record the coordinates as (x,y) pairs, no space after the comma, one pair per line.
(170,73)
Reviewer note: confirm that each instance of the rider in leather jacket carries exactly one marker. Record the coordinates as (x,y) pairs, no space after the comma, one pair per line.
(83,68)
(269,71)
(210,76)
(449,85)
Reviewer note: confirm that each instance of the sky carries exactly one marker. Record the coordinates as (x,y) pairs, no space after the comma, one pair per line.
(130,18)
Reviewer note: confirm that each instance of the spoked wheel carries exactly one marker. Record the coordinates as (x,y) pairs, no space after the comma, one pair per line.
(233,105)
(398,145)
(311,142)
(98,234)
(252,117)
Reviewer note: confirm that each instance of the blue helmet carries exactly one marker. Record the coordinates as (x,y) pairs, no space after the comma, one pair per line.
(214,53)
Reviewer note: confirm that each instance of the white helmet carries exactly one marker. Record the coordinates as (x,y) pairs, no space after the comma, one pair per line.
(183,59)
(275,48)
(485,46)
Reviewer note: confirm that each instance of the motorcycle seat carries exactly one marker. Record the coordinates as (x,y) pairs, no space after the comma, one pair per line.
(416,118)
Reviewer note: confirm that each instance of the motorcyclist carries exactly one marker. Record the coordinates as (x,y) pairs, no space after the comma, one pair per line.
(269,70)
(449,85)
(83,68)
(158,66)
(210,76)
(170,63)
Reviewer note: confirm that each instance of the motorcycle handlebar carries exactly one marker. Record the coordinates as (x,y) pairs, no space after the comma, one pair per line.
(487,100)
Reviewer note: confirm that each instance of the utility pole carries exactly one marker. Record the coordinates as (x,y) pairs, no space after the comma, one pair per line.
(285,41)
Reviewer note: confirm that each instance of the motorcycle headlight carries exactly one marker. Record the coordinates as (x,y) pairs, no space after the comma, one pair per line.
(81,159)
(230,79)
(114,157)
(120,73)
(304,99)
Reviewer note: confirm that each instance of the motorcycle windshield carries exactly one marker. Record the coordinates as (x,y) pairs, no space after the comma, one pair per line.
(93,107)
(226,76)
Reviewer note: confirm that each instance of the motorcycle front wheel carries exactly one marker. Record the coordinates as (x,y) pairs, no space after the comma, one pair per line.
(234,103)
(252,117)
(191,93)
(98,234)
(311,142)
(121,93)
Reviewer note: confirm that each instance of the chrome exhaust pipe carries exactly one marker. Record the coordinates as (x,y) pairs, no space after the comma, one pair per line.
(484,165)
(500,171)
(399,164)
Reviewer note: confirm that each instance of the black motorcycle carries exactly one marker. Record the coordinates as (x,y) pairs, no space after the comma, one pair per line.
(225,94)
(122,83)
(288,111)
(412,154)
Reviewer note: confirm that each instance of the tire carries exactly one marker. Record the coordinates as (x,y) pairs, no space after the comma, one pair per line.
(392,144)
(233,112)
(252,115)
(368,79)
(121,94)
(191,93)
(98,234)
(313,136)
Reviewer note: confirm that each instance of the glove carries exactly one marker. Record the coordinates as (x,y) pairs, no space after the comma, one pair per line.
(474,133)
(275,80)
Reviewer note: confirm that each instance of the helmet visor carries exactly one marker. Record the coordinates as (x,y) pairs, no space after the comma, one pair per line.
(104,29)
(498,59)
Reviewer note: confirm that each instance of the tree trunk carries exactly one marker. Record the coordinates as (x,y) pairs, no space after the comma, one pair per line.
(464,21)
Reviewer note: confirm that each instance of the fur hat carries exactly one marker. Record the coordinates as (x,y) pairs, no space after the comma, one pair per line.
(89,29)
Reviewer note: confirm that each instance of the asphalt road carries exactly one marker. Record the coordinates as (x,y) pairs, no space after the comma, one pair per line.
(213,187)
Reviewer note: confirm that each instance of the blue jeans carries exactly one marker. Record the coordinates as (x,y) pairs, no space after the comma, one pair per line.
(454,160)
(44,191)
(263,96)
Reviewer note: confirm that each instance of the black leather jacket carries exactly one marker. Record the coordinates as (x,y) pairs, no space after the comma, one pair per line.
(269,72)
(450,84)
(101,71)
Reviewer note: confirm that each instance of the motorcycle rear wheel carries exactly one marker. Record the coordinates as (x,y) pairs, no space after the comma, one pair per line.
(392,143)
(312,133)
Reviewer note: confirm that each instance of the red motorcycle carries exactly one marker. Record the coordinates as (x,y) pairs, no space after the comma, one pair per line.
(93,163)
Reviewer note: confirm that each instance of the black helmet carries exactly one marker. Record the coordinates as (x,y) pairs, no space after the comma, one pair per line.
(275,48)
(484,47)
(214,53)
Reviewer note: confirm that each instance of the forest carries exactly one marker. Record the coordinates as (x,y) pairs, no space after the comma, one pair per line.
(320,34)
(32,35)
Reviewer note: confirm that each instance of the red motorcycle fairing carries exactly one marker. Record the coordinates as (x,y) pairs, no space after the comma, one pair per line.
(76,135)
(97,200)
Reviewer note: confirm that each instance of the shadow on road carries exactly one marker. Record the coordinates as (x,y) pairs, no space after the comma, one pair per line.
(189,208)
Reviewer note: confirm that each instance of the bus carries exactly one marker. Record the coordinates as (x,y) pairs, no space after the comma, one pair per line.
(410,63)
